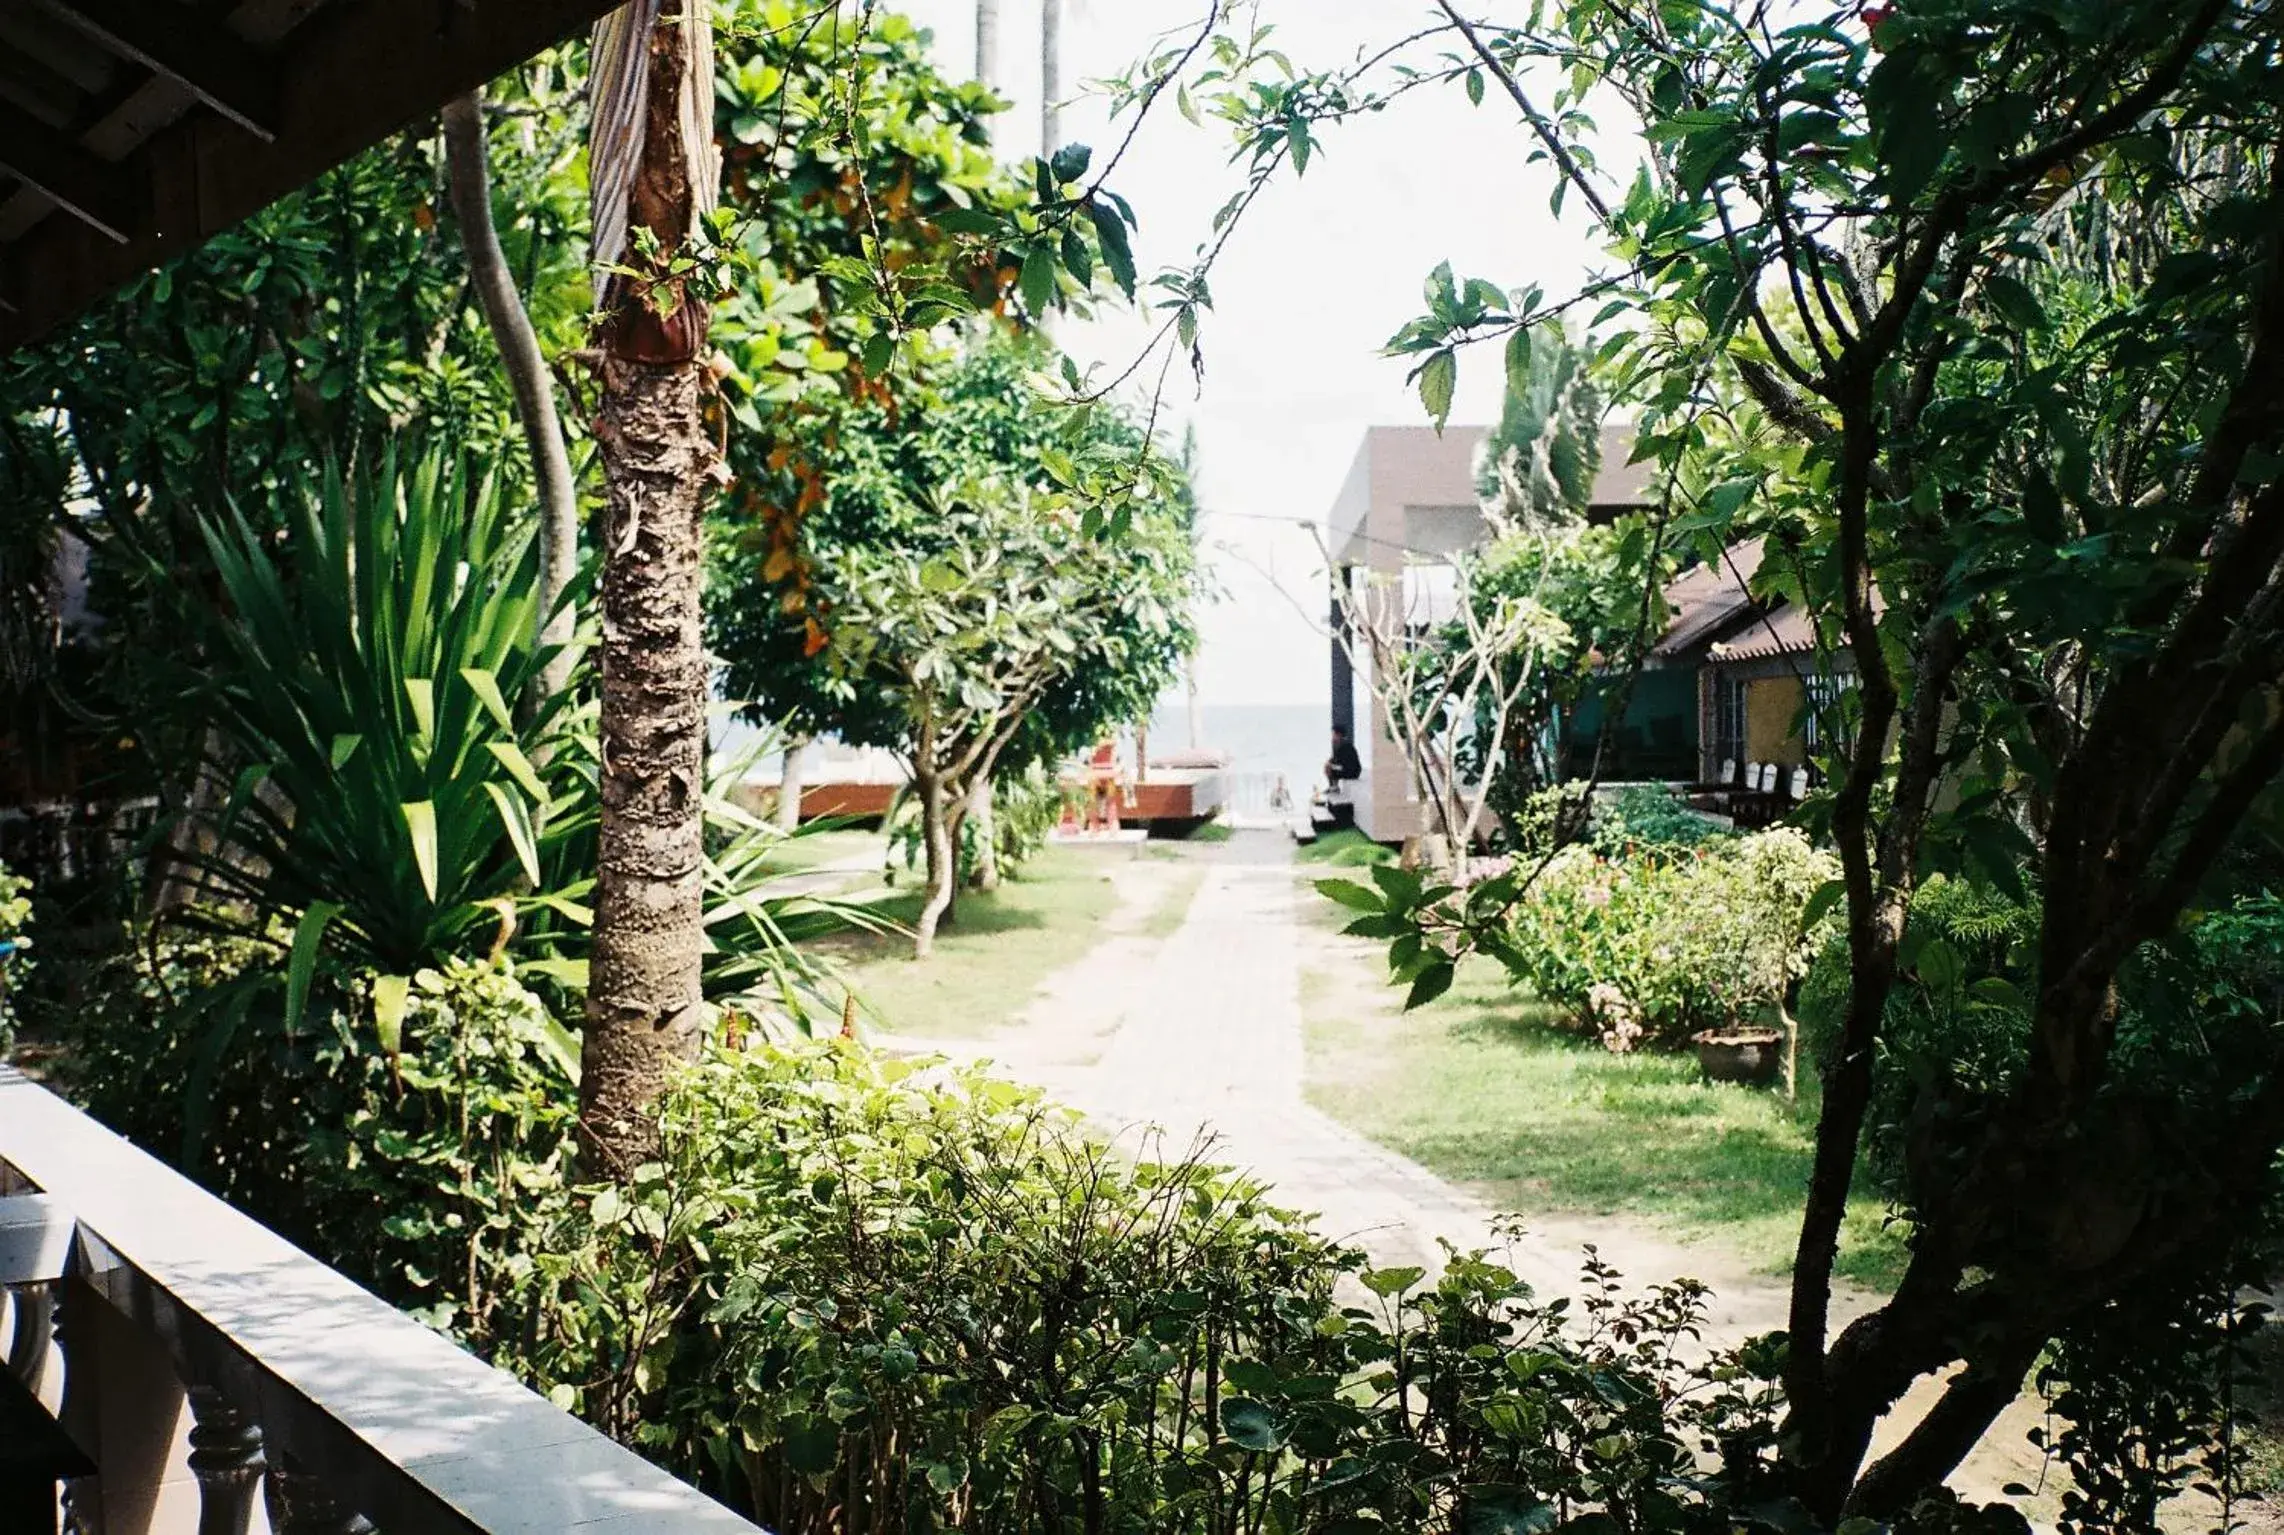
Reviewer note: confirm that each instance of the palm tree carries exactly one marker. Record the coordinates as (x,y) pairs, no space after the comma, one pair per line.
(651,168)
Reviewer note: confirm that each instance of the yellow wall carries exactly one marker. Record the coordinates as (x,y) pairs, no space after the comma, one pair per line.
(1772,710)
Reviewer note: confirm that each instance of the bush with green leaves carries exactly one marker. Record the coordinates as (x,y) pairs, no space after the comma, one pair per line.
(419,1173)
(405,793)
(1649,818)
(1655,948)
(861,1294)
(1957,1028)
(365,680)
(15,949)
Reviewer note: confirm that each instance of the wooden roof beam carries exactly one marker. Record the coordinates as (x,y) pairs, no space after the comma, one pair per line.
(352,73)
(94,191)
(197,53)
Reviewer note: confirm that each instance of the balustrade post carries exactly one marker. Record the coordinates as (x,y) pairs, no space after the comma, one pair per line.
(78,1410)
(31,1332)
(302,1504)
(226,1458)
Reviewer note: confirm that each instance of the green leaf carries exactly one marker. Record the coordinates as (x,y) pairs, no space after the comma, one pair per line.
(2000,992)
(420,693)
(2014,301)
(970,221)
(1117,253)
(1077,259)
(1827,896)
(1438,376)
(510,756)
(344,747)
(1389,1282)
(1038,279)
(1509,1516)
(308,934)
(1431,983)
(1938,965)
(1070,162)
(812,1446)
(1519,360)
(392,995)
(1350,894)
(420,820)
(518,825)
(1250,1424)
(486,687)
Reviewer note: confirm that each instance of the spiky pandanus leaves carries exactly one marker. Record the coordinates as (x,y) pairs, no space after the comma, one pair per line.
(362,681)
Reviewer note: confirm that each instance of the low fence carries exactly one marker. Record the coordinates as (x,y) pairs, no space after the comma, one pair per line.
(178,1367)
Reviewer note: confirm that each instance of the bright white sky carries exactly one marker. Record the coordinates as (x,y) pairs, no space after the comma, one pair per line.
(1323,271)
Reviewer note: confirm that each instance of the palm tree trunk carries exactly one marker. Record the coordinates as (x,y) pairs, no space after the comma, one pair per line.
(643,989)
(469,180)
(790,780)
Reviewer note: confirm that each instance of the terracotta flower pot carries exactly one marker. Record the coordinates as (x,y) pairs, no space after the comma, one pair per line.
(1754,1056)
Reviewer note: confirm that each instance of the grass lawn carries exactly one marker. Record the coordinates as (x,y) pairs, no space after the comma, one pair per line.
(989,960)
(813,849)
(1478,1087)
(1345,847)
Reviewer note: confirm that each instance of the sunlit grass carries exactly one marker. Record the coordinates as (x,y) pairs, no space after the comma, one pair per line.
(989,959)
(1480,1088)
(1344,847)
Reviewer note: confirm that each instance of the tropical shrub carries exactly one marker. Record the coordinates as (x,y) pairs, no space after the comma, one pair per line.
(1649,818)
(15,947)
(364,681)
(861,1294)
(406,793)
(1957,1026)
(418,1173)
(1657,948)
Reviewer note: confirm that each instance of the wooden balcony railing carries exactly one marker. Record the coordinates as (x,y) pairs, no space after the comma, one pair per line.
(171,1365)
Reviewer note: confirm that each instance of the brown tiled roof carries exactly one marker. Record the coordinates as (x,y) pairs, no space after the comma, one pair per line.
(1787,631)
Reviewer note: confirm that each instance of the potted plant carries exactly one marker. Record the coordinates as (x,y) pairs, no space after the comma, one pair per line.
(1747,1054)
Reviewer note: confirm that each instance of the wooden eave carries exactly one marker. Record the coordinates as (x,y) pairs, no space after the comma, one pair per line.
(132,131)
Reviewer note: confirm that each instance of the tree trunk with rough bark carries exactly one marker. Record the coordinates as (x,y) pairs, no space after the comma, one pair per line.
(643,997)
(468,177)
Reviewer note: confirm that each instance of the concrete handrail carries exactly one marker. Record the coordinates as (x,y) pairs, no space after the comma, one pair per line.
(281,1362)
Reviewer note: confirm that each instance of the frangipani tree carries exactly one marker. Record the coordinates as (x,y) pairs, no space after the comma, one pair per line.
(967,629)
(1449,659)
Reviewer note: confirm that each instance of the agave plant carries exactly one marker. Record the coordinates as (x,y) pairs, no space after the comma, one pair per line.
(405,790)
(366,679)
